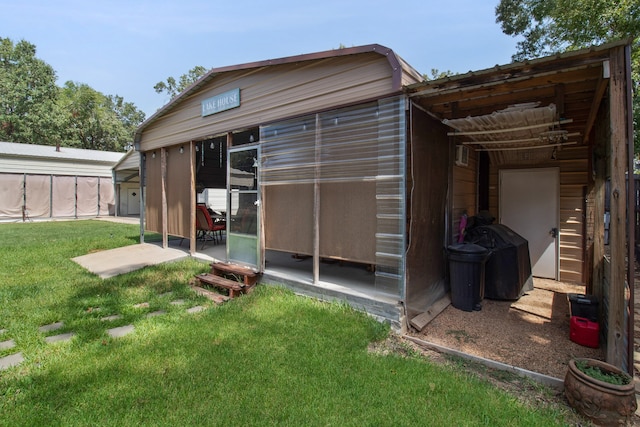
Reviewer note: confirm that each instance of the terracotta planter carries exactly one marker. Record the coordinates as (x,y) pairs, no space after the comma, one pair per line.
(603,403)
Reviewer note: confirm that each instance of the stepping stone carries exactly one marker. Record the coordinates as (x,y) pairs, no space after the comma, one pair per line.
(51,327)
(111,318)
(166,294)
(121,331)
(177,302)
(6,345)
(196,309)
(142,305)
(61,337)
(11,360)
(156,313)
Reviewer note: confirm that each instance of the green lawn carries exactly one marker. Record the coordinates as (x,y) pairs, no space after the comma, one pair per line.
(267,358)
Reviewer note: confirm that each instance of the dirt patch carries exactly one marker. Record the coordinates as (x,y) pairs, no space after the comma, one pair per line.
(531,333)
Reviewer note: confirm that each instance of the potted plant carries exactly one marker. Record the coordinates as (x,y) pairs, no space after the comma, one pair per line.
(600,391)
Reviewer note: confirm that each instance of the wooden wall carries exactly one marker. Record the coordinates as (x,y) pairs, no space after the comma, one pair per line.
(574,180)
(465,190)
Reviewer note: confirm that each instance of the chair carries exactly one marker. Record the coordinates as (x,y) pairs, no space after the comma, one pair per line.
(204,225)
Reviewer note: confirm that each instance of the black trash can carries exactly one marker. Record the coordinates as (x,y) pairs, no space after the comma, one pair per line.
(466,275)
(508,268)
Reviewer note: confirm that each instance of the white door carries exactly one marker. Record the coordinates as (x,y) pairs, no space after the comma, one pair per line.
(529,205)
(133,201)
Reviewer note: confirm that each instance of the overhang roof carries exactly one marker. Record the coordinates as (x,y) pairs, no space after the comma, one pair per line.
(562,91)
(398,66)
(14,149)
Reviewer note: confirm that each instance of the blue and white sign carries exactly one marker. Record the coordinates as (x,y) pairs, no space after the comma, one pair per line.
(224,101)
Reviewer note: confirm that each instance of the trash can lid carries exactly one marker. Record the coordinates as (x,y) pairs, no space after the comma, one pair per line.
(467,248)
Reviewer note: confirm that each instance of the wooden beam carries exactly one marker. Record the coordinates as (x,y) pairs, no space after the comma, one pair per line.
(616,350)
(421,320)
(601,87)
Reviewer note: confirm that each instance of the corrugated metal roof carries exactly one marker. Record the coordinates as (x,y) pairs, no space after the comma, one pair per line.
(13,149)
(518,128)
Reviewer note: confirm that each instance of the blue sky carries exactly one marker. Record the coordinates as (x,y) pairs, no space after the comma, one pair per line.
(125,47)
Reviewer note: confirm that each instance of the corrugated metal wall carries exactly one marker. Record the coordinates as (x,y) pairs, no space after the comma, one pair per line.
(274,92)
(355,156)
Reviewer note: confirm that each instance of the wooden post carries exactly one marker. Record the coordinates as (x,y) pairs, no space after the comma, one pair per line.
(192,209)
(163,180)
(631,211)
(616,351)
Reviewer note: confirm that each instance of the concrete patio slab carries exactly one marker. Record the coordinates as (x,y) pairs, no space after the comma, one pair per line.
(51,327)
(61,337)
(11,360)
(6,345)
(120,331)
(113,262)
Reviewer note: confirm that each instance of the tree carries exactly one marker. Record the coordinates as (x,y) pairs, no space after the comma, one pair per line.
(95,121)
(28,109)
(34,110)
(173,88)
(551,26)
(437,74)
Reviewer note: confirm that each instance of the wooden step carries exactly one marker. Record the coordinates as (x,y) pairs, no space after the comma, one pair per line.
(213,296)
(249,277)
(235,288)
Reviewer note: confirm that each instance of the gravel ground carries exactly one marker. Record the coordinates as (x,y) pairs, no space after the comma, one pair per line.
(531,333)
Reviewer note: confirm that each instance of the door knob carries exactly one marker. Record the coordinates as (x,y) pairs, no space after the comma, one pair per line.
(553,232)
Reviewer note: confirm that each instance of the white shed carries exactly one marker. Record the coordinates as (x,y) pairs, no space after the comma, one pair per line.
(44,181)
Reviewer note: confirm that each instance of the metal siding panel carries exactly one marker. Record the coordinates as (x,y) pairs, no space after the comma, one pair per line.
(53,167)
(274,93)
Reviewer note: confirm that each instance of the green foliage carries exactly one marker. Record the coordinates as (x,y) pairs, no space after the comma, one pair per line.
(34,110)
(266,358)
(28,109)
(551,26)
(600,375)
(437,74)
(173,88)
(95,121)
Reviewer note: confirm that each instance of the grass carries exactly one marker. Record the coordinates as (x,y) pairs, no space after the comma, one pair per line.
(267,358)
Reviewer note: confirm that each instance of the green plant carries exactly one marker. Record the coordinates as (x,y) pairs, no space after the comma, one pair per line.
(602,375)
